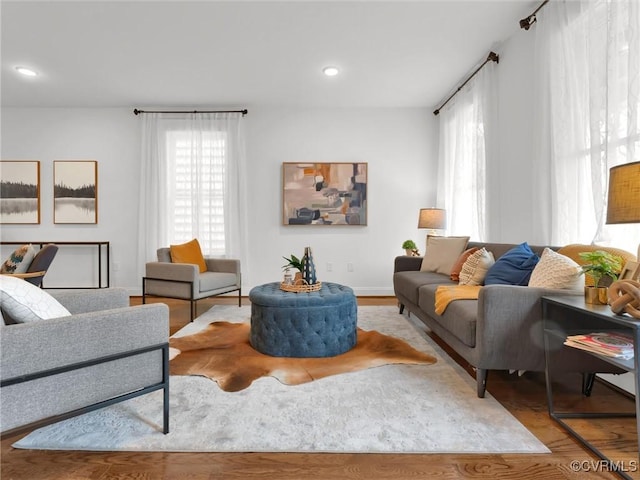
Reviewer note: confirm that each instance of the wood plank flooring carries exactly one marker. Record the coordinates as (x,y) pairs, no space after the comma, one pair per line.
(523,396)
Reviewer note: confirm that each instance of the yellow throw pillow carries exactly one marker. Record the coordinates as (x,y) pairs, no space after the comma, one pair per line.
(189,252)
(573,252)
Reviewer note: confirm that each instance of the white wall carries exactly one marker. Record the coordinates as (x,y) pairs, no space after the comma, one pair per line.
(399,146)
(110,136)
(510,190)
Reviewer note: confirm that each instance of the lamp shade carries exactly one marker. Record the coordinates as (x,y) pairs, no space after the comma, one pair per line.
(433,218)
(623,205)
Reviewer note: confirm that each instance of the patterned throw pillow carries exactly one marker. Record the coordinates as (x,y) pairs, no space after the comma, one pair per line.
(19,260)
(475,268)
(24,302)
(457,267)
(556,271)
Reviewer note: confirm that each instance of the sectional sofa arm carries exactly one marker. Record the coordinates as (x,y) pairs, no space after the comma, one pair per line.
(83,301)
(405,263)
(47,344)
(183,272)
(509,324)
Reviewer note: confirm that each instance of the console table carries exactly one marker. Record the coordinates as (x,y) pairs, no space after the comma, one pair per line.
(570,315)
(100,246)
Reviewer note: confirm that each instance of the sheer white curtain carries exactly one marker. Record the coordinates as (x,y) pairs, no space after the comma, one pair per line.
(466,124)
(192,184)
(587,56)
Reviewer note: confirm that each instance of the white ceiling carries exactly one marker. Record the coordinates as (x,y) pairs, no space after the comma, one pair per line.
(246,53)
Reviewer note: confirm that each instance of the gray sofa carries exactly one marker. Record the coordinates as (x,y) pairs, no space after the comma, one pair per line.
(501,330)
(105,352)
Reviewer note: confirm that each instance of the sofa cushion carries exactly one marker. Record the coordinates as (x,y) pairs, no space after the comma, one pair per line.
(408,282)
(19,260)
(475,268)
(23,302)
(514,267)
(189,252)
(459,318)
(457,267)
(442,252)
(556,271)
(215,280)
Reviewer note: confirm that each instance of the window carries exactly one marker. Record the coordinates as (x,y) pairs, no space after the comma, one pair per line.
(196,162)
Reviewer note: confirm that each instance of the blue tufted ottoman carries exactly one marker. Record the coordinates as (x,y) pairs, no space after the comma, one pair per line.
(315,324)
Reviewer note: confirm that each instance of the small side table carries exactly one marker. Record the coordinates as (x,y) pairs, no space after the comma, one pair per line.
(313,324)
(570,315)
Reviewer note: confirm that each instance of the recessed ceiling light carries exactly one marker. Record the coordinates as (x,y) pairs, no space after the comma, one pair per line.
(330,71)
(27,71)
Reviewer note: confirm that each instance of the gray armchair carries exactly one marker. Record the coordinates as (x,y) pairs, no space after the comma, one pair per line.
(184,280)
(105,352)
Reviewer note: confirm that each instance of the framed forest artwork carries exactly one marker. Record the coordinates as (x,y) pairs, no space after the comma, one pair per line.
(324,193)
(20,191)
(75,191)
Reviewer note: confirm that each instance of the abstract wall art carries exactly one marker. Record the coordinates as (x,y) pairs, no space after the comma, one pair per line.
(19,191)
(75,191)
(324,193)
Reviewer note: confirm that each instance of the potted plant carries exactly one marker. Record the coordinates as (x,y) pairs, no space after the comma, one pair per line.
(293,262)
(410,248)
(600,264)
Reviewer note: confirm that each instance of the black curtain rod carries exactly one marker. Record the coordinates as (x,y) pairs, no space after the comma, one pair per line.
(531,19)
(137,112)
(493,57)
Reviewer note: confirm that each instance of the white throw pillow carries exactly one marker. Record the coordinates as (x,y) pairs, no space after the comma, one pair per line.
(442,252)
(24,302)
(558,271)
(475,268)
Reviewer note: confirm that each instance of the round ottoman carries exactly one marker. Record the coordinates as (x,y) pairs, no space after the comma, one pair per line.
(314,324)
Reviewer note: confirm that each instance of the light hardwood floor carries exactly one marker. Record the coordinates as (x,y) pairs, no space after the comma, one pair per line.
(523,396)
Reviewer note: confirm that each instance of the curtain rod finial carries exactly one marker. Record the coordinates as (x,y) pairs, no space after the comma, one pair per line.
(136,111)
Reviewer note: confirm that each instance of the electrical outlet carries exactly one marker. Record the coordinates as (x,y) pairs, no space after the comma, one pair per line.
(329,267)
(349,267)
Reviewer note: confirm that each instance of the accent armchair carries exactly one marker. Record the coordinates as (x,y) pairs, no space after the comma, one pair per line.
(185,281)
(39,265)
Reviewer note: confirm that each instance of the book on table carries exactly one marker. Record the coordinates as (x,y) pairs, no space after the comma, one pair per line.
(611,344)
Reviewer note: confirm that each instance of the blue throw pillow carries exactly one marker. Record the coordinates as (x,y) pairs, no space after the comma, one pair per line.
(514,267)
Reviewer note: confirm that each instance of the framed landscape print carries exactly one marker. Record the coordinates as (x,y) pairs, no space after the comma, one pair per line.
(20,191)
(75,191)
(324,193)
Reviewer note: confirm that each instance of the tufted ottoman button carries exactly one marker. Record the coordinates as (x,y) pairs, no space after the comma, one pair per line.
(313,324)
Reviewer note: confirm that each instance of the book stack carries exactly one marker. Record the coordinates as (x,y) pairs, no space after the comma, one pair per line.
(610,344)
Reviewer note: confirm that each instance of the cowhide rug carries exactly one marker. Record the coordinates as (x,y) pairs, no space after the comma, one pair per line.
(222,352)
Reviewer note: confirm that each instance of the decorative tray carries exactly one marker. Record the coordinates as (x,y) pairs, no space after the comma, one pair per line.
(300,286)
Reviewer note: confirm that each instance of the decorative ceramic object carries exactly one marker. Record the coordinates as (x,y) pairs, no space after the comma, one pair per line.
(308,267)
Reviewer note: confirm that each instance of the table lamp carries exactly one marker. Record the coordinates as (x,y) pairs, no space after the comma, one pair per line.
(433,219)
(623,205)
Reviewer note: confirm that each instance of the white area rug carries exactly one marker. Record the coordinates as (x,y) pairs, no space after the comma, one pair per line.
(388,409)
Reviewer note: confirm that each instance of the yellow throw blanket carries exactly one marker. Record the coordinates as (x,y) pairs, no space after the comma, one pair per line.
(446,294)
